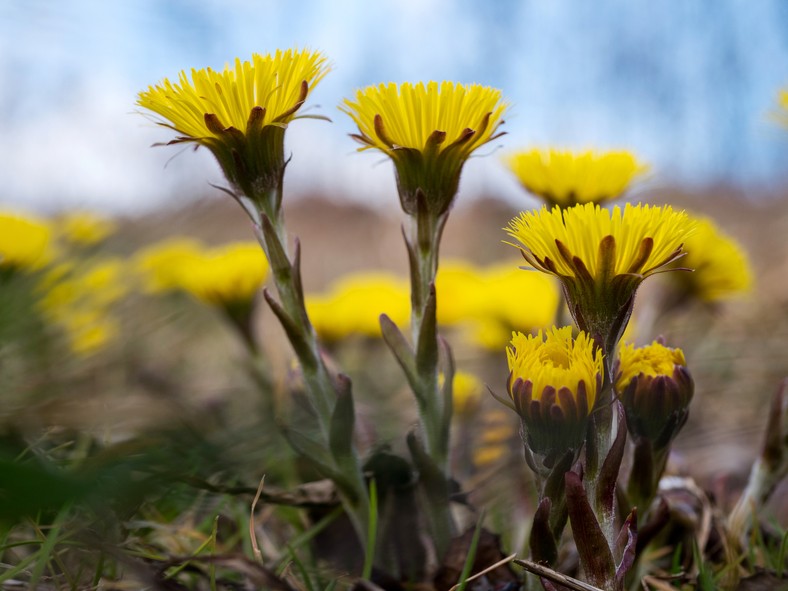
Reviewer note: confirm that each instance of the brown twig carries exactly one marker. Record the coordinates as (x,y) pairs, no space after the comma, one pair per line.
(556,577)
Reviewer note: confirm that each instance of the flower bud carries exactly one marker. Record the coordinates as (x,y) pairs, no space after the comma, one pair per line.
(655,388)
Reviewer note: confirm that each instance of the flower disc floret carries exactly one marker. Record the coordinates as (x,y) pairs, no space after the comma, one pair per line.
(601,256)
(554,381)
(567,178)
(428,131)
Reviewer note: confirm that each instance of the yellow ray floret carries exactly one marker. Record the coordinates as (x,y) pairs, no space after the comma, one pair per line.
(277,83)
(391,116)
(566,178)
(636,240)
(555,360)
(652,360)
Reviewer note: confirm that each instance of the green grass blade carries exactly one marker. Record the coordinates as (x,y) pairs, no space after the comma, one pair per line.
(471,556)
(48,546)
(372,532)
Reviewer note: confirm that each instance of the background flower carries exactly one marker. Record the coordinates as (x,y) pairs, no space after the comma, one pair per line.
(25,242)
(567,178)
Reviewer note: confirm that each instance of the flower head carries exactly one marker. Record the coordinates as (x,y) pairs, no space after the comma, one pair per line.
(240,113)
(429,131)
(226,276)
(78,299)
(553,382)
(84,228)
(655,388)
(354,304)
(565,178)
(25,242)
(720,266)
(601,257)
(160,266)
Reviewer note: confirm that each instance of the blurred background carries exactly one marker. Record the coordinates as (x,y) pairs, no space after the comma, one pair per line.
(101,372)
(689,87)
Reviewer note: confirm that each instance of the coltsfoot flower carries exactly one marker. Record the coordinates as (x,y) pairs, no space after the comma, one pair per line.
(241,113)
(354,304)
(601,257)
(25,243)
(79,301)
(228,276)
(429,131)
(655,387)
(566,178)
(553,382)
(720,266)
(84,228)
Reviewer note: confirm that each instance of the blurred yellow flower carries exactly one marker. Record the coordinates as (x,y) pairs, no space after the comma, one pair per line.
(553,382)
(514,298)
(241,112)
(495,439)
(353,305)
(460,290)
(601,257)
(78,299)
(466,393)
(429,131)
(567,178)
(720,266)
(25,242)
(84,228)
(160,265)
(224,276)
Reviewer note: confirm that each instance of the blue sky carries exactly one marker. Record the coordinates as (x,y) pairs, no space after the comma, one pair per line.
(688,86)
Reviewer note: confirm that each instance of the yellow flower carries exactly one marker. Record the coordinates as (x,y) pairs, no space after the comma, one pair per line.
(460,289)
(25,242)
(85,228)
(240,114)
(79,299)
(655,388)
(225,276)
(429,131)
(566,178)
(160,265)
(516,298)
(553,382)
(601,257)
(354,304)
(466,393)
(488,302)
(495,439)
(720,266)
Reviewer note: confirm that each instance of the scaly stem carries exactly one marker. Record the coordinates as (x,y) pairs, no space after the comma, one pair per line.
(424,244)
(323,388)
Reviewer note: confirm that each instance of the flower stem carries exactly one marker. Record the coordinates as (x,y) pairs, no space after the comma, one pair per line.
(424,246)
